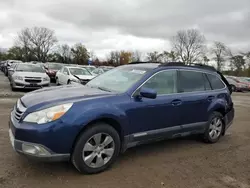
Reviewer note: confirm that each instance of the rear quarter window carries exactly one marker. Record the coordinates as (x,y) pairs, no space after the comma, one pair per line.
(215,82)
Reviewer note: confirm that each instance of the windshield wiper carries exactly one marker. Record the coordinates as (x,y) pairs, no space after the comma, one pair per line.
(103,89)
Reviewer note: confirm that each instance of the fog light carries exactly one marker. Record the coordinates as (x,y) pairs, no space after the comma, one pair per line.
(34,150)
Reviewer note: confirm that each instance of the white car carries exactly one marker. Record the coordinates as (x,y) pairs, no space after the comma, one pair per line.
(73,74)
(27,75)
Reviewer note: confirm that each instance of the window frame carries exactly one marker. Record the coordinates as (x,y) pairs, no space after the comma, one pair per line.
(204,76)
(225,86)
(141,85)
(178,82)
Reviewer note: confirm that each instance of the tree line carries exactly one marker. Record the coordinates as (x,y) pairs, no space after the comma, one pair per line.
(188,46)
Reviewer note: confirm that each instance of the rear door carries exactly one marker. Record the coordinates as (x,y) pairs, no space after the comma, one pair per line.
(195,91)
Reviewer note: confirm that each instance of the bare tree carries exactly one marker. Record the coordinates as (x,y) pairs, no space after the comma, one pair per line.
(37,40)
(64,54)
(220,53)
(136,56)
(169,56)
(238,63)
(114,57)
(189,45)
(154,56)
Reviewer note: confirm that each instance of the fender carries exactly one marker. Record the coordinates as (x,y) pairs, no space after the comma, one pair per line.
(218,104)
(99,111)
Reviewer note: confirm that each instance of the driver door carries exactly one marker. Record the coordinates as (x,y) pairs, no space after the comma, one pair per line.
(159,117)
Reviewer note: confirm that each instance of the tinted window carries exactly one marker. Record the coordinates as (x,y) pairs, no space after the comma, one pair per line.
(163,82)
(215,82)
(207,83)
(191,81)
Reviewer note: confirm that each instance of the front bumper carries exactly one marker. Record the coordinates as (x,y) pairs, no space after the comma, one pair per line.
(27,85)
(35,151)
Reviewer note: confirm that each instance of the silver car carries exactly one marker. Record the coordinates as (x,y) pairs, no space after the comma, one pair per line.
(27,76)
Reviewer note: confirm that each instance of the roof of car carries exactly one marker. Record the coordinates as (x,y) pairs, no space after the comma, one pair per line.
(192,66)
(74,67)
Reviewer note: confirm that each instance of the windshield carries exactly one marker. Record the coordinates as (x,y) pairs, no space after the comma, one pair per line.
(119,79)
(29,68)
(55,66)
(90,69)
(79,71)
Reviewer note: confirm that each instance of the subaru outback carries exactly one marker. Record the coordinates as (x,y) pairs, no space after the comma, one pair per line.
(127,106)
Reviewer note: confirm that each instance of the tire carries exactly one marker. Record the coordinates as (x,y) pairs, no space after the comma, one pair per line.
(88,136)
(57,82)
(216,125)
(12,88)
(69,82)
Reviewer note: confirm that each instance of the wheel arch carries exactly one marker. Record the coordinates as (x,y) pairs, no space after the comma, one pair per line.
(107,120)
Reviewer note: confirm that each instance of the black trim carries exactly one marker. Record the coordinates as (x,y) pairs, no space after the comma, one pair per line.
(162,134)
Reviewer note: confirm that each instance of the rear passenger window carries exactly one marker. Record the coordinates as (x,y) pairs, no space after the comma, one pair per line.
(215,82)
(191,81)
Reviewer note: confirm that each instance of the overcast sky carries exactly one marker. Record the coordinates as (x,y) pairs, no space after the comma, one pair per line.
(146,25)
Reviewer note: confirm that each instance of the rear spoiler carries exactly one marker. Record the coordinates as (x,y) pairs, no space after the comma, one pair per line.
(225,81)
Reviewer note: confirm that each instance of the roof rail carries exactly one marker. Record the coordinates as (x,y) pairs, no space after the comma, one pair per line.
(197,65)
(139,62)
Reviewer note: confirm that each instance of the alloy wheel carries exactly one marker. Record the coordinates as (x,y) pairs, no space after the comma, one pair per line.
(215,128)
(98,150)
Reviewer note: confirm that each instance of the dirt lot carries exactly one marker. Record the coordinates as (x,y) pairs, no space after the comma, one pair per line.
(176,163)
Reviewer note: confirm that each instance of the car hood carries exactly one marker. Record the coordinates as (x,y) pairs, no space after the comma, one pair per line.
(30,74)
(60,94)
(87,77)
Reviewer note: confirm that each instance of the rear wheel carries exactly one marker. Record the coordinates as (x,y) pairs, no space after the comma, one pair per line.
(214,128)
(96,149)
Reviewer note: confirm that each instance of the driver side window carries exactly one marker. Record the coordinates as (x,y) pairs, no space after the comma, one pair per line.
(163,82)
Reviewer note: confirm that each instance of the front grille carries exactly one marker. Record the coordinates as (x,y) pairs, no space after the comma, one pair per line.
(33,79)
(84,81)
(19,109)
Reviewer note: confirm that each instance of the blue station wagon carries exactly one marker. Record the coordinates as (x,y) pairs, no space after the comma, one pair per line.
(129,105)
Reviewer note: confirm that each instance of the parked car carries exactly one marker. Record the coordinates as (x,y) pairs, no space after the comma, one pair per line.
(238,84)
(127,106)
(11,69)
(52,68)
(8,65)
(69,74)
(90,68)
(100,70)
(2,63)
(27,76)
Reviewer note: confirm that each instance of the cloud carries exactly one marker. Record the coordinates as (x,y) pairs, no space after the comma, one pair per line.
(128,24)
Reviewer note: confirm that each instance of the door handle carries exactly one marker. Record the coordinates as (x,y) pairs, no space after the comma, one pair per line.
(176,102)
(210,98)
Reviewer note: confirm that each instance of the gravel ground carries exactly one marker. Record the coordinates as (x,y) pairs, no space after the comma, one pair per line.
(180,163)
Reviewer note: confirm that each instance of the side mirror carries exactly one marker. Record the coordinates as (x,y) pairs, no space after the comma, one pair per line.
(148,93)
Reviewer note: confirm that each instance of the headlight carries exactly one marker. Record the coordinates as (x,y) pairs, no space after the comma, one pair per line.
(46,79)
(75,80)
(48,115)
(18,78)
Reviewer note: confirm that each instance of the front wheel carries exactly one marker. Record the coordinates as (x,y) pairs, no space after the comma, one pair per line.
(214,128)
(96,149)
